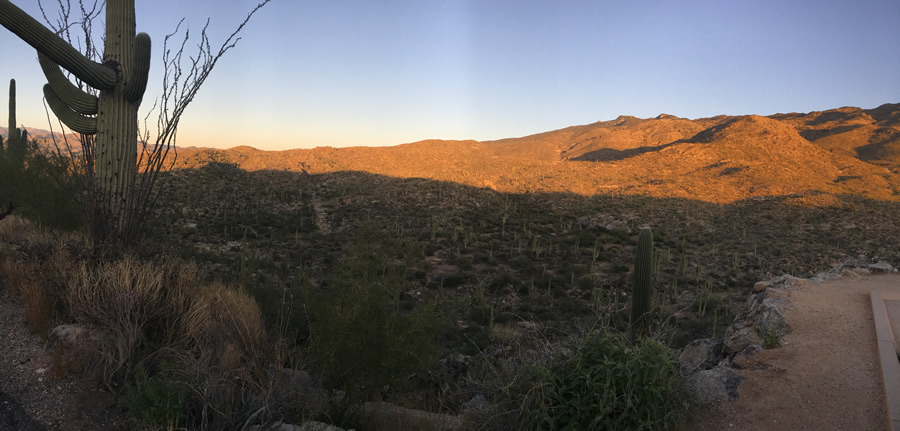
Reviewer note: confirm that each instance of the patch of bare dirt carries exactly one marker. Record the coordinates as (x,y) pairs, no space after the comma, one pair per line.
(825,376)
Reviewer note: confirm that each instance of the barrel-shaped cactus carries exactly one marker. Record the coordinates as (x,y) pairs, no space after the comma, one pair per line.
(120,79)
(643,282)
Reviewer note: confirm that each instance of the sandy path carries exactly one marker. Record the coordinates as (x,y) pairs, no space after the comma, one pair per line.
(826,376)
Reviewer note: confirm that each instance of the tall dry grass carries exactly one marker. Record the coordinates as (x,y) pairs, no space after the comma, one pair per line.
(148,316)
(140,304)
(34,265)
(232,363)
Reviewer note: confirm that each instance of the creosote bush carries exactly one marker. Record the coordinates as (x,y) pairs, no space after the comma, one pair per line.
(607,384)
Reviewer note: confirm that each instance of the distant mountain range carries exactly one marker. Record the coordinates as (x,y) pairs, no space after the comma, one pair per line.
(720,159)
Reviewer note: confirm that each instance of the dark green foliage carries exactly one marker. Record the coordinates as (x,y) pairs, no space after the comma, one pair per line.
(156,402)
(34,183)
(643,282)
(608,384)
(362,338)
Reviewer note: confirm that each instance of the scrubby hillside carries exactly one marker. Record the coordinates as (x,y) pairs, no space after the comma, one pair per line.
(720,159)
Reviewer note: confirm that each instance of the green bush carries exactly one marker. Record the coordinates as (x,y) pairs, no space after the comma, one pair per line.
(607,384)
(362,336)
(156,402)
(42,189)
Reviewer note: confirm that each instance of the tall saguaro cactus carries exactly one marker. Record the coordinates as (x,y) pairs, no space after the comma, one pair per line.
(121,80)
(643,282)
(15,143)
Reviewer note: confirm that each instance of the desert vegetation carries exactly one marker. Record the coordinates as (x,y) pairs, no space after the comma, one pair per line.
(422,293)
(498,286)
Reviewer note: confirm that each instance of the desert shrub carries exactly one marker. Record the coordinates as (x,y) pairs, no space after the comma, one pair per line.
(141,304)
(42,189)
(231,363)
(608,383)
(360,337)
(156,402)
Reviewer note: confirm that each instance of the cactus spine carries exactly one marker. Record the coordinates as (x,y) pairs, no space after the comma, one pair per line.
(643,282)
(121,80)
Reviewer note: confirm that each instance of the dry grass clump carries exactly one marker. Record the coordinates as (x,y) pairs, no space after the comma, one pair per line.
(34,267)
(170,335)
(140,303)
(230,364)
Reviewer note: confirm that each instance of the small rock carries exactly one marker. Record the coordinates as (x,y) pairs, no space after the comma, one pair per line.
(761,286)
(709,386)
(477,402)
(771,318)
(701,354)
(881,267)
(739,336)
(861,271)
(743,358)
(847,273)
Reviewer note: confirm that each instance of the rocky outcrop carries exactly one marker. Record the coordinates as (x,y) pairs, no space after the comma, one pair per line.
(708,362)
(709,386)
(701,354)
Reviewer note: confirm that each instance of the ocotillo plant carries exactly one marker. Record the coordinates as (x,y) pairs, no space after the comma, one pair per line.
(121,80)
(15,143)
(643,282)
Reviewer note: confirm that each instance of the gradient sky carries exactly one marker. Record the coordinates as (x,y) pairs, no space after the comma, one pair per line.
(363,72)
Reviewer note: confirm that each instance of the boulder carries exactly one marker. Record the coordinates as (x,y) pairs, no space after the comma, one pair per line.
(740,335)
(710,386)
(477,402)
(743,359)
(881,267)
(701,354)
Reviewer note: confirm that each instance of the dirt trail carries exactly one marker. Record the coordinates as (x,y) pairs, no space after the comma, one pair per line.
(31,398)
(826,376)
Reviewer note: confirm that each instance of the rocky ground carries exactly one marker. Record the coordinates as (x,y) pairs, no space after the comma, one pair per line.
(32,397)
(824,376)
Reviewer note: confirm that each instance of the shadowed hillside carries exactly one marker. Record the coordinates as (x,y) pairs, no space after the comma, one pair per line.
(720,159)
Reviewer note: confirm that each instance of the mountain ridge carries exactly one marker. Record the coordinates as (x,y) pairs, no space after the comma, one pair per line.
(721,159)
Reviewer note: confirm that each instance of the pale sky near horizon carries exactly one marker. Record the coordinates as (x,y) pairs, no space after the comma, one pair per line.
(362,72)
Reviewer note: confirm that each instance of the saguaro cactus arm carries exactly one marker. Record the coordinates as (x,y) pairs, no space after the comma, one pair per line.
(69,94)
(136,83)
(58,50)
(72,119)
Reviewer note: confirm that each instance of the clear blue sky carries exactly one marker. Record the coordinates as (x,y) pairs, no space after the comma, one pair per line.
(363,72)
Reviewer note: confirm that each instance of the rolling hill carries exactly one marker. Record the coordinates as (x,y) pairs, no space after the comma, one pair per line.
(720,159)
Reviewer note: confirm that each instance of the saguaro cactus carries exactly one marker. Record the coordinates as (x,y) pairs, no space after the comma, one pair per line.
(121,80)
(15,143)
(643,282)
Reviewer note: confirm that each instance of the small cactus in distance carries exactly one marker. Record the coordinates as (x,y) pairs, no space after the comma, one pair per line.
(643,283)
(15,142)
